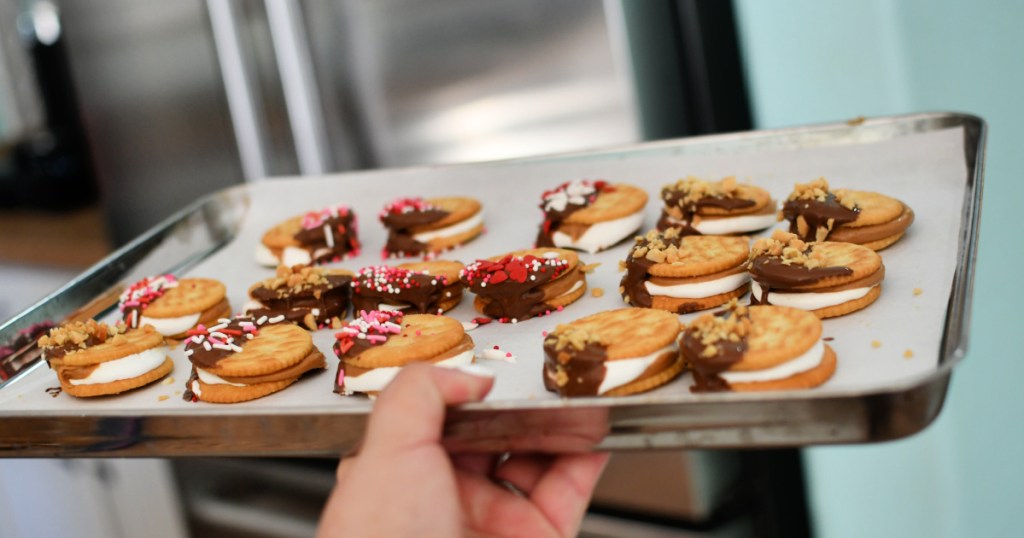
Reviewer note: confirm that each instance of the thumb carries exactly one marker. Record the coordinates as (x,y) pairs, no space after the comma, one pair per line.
(410,411)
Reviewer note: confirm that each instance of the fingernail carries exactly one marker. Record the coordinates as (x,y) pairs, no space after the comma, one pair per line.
(476,370)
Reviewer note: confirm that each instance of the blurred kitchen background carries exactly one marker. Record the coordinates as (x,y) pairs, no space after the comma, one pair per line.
(114,114)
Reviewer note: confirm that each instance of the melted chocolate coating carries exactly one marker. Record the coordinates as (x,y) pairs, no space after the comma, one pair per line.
(817,214)
(772,275)
(58,352)
(636,274)
(706,370)
(585,370)
(400,225)
(515,300)
(188,395)
(344,238)
(552,221)
(331,299)
(674,198)
(422,297)
(203,358)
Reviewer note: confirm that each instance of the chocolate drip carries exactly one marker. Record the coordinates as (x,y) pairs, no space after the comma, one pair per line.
(706,369)
(674,198)
(331,299)
(665,222)
(344,235)
(584,371)
(817,213)
(633,282)
(421,297)
(400,226)
(188,395)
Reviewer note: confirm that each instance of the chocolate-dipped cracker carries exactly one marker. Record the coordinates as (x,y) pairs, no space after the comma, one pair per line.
(757,348)
(418,226)
(829,278)
(725,207)
(590,215)
(244,358)
(430,287)
(684,273)
(613,353)
(817,213)
(310,297)
(525,283)
(317,237)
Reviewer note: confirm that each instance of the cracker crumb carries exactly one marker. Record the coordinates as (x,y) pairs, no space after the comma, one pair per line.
(163,397)
(908,354)
(876,344)
(918,291)
(589,268)
(855,121)
(597,292)
(167,381)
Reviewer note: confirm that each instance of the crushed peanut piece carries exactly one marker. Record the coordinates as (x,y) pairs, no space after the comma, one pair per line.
(876,344)
(78,333)
(790,248)
(733,327)
(590,267)
(163,397)
(597,292)
(167,381)
(575,337)
(918,291)
(908,354)
(295,279)
(815,190)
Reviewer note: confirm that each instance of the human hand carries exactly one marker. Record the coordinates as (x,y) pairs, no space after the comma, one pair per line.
(404,483)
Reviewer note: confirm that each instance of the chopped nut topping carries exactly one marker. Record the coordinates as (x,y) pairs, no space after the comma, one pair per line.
(815,190)
(918,291)
(658,247)
(78,333)
(575,337)
(790,248)
(876,344)
(733,326)
(818,190)
(295,279)
(697,189)
(597,292)
(908,354)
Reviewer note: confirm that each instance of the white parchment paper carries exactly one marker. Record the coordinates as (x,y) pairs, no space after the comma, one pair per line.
(926,171)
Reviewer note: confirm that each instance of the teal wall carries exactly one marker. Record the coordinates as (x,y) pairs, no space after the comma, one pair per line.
(812,61)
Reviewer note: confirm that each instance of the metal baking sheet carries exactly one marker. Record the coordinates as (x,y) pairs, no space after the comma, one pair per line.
(933,162)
